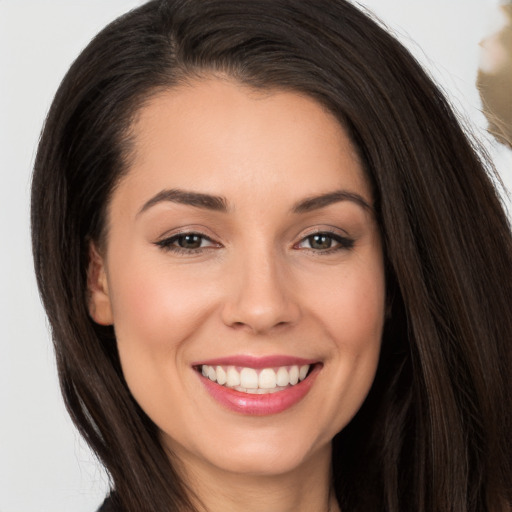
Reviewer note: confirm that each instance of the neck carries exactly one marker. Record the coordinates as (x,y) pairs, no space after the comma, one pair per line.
(303,489)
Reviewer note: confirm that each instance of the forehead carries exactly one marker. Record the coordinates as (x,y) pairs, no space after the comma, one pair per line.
(220,137)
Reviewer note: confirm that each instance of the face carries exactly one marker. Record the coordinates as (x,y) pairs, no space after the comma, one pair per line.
(243,274)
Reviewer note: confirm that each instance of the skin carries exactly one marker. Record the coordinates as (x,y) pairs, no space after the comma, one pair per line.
(259,287)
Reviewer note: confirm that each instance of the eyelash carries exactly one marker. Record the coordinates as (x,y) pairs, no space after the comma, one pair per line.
(168,244)
(344,243)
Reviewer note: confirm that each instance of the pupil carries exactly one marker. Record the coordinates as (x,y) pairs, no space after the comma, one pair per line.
(320,241)
(190,241)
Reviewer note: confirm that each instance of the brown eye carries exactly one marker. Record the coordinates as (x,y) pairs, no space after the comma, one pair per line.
(187,243)
(325,242)
(320,241)
(190,241)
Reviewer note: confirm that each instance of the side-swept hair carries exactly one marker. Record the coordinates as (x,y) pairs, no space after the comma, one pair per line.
(434,434)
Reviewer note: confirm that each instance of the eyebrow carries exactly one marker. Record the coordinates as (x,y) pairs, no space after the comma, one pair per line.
(321,201)
(197,199)
(220,204)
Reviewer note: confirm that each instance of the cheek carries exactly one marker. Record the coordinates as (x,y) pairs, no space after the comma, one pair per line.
(353,309)
(352,314)
(157,312)
(354,319)
(152,305)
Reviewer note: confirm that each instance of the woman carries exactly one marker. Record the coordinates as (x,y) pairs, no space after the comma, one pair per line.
(277,272)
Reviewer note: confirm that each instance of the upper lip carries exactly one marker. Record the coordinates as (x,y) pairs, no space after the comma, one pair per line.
(257,362)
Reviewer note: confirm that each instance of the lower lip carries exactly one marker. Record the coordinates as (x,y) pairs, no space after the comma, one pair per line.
(260,405)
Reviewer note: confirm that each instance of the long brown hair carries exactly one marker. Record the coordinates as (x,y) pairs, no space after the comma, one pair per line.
(434,433)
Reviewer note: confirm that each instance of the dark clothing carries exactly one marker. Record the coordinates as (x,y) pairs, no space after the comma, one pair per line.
(108,506)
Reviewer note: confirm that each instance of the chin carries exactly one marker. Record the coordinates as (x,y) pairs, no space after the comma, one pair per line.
(266,460)
(260,451)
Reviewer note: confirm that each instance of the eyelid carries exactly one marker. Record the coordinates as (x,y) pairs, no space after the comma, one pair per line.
(341,237)
(166,241)
(195,229)
(331,230)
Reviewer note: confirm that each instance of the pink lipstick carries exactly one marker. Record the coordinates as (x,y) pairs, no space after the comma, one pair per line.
(258,385)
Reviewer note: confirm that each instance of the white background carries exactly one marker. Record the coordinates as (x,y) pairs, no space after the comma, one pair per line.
(44,466)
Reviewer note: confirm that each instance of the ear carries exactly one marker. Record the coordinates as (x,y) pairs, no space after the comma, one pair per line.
(99,304)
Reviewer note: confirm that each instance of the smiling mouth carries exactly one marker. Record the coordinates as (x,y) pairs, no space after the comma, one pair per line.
(259,381)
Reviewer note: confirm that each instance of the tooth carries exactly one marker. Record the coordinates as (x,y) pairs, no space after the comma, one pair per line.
(294,375)
(267,379)
(302,372)
(221,375)
(212,375)
(233,377)
(283,377)
(248,378)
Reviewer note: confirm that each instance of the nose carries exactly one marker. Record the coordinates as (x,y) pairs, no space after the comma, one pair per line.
(260,296)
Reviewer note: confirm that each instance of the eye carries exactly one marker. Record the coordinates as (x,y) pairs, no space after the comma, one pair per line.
(325,242)
(186,242)
(190,241)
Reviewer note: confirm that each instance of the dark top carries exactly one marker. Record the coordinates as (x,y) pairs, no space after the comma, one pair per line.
(108,506)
